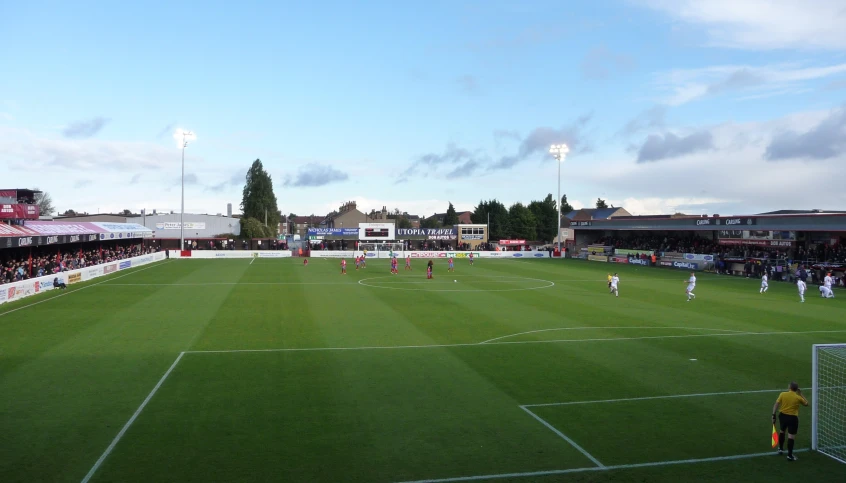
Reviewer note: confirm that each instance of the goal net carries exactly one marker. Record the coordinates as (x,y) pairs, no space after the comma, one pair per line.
(382,250)
(828,424)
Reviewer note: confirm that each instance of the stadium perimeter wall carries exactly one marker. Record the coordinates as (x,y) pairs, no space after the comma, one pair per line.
(430,254)
(206,254)
(17,290)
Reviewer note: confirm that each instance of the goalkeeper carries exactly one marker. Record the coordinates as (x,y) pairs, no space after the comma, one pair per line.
(787,408)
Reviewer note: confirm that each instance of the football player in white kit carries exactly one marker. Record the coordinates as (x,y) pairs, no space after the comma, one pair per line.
(826,292)
(764,284)
(827,281)
(801,286)
(691,284)
(614,281)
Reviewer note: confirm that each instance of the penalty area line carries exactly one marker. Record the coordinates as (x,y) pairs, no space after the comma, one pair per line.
(132,419)
(597,468)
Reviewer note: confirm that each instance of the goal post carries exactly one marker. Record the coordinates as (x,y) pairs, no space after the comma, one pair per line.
(828,405)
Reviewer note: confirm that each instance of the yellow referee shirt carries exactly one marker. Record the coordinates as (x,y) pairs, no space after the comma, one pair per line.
(788,403)
(609,277)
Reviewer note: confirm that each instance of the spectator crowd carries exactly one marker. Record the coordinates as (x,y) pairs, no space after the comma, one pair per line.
(47,261)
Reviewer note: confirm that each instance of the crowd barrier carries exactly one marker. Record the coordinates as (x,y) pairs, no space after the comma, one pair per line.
(17,290)
(430,254)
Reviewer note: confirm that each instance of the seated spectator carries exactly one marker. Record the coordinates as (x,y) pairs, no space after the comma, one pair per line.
(59,283)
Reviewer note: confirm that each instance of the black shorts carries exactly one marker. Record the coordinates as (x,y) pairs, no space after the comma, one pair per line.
(788,422)
(609,284)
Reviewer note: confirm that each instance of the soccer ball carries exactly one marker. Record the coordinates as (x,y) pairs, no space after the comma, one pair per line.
(456,281)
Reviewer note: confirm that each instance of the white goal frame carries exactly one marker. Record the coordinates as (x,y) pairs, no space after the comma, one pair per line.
(815,403)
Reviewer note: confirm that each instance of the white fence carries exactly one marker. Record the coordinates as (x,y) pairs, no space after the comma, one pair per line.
(17,290)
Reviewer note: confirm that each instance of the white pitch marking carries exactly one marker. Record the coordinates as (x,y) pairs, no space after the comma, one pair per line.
(564,437)
(131,420)
(79,289)
(649,398)
(476,344)
(253,259)
(589,328)
(596,468)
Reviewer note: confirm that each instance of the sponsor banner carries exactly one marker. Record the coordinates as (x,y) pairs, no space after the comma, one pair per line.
(428,233)
(423,254)
(472,237)
(619,259)
(686,265)
(92,272)
(111,268)
(170,225)
(458,254)
(528,254)
(624,251)
(597,258)
(125,264)
(758,243)
(335,254)
(724,222)
(698,258)
(665,263)
(672,255)
(206,254)
(638,261)
(598,249)
(512,242)
(580,223)
(277,254)
(324,232)
(18,290)
(19,212)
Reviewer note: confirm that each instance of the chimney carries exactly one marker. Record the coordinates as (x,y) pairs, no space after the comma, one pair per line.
(229,210)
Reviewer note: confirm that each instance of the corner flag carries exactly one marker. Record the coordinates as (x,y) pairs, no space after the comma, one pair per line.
(775,436)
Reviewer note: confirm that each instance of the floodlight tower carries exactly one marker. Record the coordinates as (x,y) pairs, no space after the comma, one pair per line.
(186,135)
(559,152)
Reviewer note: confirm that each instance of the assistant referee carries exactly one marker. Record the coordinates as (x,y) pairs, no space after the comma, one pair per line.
(788,417)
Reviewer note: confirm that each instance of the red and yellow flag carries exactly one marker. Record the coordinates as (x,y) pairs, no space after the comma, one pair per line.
(775,436)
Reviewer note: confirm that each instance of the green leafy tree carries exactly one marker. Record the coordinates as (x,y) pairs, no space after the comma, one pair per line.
(258,199)
(44,202)
(566,207)
(545,213)
(69,213)
(252,228)
(523,222)
(600,203)
(431,222)
(402,222)
(451,217)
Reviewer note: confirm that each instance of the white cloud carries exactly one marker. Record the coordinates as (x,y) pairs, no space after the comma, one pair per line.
(762,24)
(20,146)
(680,86)
(735,176)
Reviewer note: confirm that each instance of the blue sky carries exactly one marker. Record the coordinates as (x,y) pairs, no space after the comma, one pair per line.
(695,106)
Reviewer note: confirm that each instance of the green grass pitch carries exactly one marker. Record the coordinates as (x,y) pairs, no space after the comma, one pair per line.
(525,371)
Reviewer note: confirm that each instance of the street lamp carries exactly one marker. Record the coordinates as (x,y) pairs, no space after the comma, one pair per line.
(559,152)
(186,135)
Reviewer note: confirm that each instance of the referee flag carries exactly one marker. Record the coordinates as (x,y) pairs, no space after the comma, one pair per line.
(775,437)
